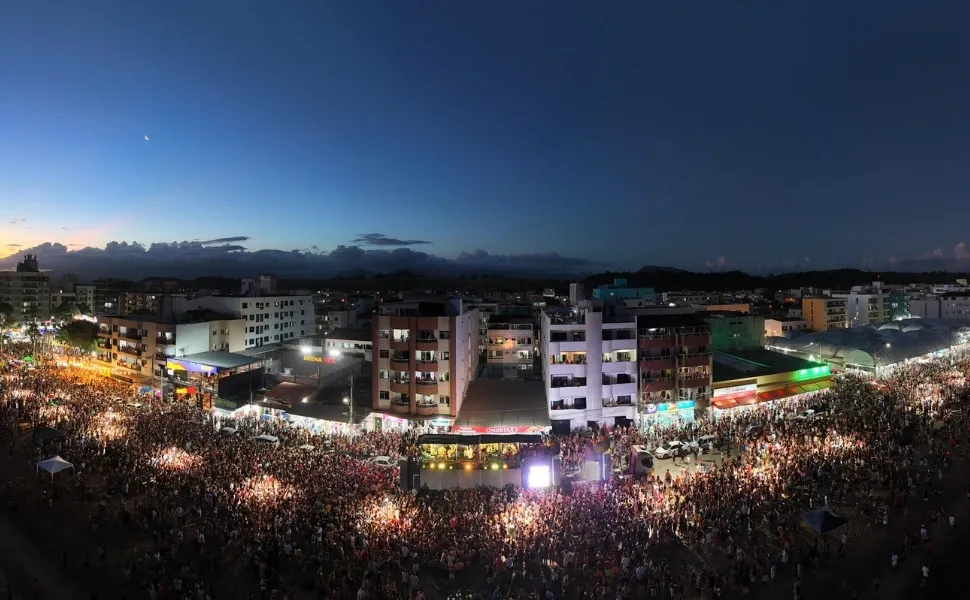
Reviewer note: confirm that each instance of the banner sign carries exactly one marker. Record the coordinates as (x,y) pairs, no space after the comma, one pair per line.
(737,389)
(324,360)
(498,430)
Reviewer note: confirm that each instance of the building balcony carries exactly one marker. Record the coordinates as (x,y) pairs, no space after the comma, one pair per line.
(426,386)
(129,350)
(656,363)
(694,359)
(656,384)
(401,386)
(566,383)
(400,344)
(130,336)
(426,410)
(694,381)
(400,364)
(696,339)
(427,344)
(426,365)
(401,408)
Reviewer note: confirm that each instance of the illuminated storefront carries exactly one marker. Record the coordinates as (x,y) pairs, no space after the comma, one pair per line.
(668,413)
(748,378)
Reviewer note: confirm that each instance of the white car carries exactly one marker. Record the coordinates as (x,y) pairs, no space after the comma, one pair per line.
(669,449)
(706,443)
(383,461)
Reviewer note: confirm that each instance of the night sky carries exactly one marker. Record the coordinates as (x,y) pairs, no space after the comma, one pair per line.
(757,135)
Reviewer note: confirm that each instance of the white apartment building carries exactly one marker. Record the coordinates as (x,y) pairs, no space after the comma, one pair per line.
(84,296)
(59,297)
(785,326)
(351,342)
(952,305)
(427,353)
(510,341)
(269,319)
(27,290)
(589,367)
(334,315)
(137,349)
(865,305)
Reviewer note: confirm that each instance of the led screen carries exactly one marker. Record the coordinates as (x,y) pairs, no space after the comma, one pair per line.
(540,476)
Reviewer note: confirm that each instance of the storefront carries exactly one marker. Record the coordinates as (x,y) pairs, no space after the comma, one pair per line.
(668,413)
(749,378)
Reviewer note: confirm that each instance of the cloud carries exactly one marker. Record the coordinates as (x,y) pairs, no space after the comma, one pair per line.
(226,240)
(186,259)
(379,239)
(957,260)
(15,245)
(16,220)
(720,264)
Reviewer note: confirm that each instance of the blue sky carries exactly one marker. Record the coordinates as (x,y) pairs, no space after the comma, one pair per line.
(625,133)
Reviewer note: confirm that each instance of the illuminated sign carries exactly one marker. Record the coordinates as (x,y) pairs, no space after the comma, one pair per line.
(498,430)
(736,389)
(324,360)
(813,372)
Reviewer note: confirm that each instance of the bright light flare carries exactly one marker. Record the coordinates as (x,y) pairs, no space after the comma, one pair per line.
(265,490)
(176,459)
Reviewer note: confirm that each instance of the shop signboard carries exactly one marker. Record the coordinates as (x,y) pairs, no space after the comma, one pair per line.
(736,389)
(498,430)
(323,360)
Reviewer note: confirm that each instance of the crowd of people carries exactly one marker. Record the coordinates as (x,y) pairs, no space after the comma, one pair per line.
(221,515)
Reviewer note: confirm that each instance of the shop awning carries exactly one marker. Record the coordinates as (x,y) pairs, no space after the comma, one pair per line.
(732,400)
(793,390)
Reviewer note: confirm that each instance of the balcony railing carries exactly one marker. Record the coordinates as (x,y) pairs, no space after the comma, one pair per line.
(649,358)
(562,383)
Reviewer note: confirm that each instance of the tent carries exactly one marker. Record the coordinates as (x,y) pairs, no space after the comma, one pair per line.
(823,520)
(43,435)
(267,439)
(229,430)
(308,447)
(54,465)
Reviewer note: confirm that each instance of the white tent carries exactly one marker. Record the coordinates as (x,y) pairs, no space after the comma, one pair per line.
(54,465)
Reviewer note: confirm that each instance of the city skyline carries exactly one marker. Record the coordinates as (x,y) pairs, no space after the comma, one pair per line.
(554,136)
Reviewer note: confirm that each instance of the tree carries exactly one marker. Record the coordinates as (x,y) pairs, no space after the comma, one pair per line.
(79,334)
(83,308)
(65,311)
(33,332)
(6,320)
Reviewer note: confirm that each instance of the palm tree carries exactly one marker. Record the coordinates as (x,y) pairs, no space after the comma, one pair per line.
(33,332)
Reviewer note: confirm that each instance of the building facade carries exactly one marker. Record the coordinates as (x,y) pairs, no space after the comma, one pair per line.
(735,330)
(785,326)
(865,305)
(427,353)
(27,290)
(329,316)
(824,314)
(620,290)
(589,368)
(511,341)
(136,349)
(269,319)
(675,362)
(951,305)
(109,295)
(84,297)
(351,342)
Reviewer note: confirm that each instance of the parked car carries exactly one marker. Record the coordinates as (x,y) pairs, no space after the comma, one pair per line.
(707,443)
(670,449)
(383,461)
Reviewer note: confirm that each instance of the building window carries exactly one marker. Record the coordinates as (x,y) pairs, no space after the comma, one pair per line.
(382,374)
(384,354)
(385,395)
(444,334)
(445,355)
(446,400)
(245,304)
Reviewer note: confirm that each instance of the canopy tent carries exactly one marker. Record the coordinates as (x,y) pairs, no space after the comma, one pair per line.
(43,435)
(54,465)
(308,447)
(823,520)
(267,439)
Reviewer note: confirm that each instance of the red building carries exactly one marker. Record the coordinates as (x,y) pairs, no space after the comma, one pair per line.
(675,359)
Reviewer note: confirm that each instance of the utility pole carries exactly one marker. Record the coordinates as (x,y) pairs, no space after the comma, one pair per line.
(350,407)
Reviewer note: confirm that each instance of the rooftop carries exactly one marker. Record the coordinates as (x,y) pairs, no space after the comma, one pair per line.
(219,359)
(743,364)
(509,402)
(671,320)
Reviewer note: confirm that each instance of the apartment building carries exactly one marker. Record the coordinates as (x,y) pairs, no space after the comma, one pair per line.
(269,319)
(824,313)
(351,342)
(84,297)
(784,326)
(60,297)
(136,349)
(329,316)
(865,305)
(27,290)
(588,367)
(427,353)
(510,341)
(675,362)
(951,305)
(109,294)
